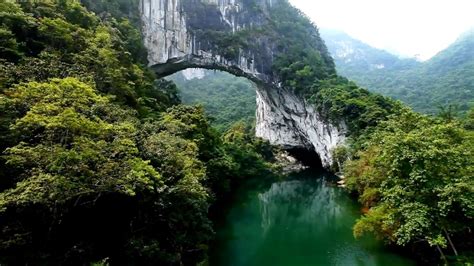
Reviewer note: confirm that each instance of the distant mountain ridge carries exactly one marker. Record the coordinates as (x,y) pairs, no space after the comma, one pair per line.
(445,79)
(353,55)
(457,55)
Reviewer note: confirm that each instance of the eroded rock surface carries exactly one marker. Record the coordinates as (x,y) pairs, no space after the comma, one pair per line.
(182,34)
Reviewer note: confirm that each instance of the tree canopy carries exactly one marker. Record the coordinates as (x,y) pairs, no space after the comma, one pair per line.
(99,162)
(416,177)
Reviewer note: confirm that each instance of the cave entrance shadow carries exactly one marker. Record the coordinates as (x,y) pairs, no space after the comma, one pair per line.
(203,86)
(308,157)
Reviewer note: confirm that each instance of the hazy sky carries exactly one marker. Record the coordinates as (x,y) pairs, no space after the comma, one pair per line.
(407,27)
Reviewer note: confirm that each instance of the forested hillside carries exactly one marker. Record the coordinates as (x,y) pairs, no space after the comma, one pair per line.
(354,58)
(99,161)
(226,98)
(446,79)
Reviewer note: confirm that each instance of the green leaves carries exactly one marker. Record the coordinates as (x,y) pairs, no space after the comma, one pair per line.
(447,79)
(57,40)
(302,59)
(226,99)
(9,47)
(62,35)
(416,173)
(339,100)
(61,108)
(71,142)
(81,176)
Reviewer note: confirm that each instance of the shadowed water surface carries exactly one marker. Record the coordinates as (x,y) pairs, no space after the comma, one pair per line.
(302,221)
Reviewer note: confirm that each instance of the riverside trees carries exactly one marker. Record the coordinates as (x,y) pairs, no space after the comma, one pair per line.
(416,174)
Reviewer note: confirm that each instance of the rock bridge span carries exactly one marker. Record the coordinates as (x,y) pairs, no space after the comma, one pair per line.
(238,36)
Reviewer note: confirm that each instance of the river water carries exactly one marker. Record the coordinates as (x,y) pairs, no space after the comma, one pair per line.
(302,221)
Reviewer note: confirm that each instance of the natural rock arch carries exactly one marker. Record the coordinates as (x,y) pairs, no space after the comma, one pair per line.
(237,36)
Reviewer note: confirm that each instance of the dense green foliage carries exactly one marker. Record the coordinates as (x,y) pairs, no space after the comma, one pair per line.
(226,98)
(302,59)
(280,42)
(303,63)
(338,100)
(99,163)
(64,40)
(446,79)
(416,176)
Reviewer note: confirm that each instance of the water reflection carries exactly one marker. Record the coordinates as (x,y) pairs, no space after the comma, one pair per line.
(300,203)
(303,221)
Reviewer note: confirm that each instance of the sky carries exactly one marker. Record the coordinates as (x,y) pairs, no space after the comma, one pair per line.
(410,28)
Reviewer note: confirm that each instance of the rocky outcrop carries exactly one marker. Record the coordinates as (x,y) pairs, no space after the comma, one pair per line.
(286,119)
(182,34)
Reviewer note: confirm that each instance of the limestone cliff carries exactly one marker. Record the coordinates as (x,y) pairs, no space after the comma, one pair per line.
(187,33)
(286,119)
(240,37)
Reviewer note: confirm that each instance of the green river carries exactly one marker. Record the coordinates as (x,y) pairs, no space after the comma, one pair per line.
(304,220)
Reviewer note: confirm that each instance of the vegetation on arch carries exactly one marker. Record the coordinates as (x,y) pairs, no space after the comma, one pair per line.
(281,42)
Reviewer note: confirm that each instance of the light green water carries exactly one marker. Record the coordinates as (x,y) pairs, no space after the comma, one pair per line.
(302,221)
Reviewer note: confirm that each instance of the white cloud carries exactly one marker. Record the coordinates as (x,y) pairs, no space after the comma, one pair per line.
(409,27)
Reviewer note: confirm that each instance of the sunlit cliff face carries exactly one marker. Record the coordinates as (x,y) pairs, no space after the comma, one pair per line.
(179,35)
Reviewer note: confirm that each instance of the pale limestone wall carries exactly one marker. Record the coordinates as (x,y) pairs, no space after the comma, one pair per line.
(283,118)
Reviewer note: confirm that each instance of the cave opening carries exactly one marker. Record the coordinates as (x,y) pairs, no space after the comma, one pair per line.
(307,157)
(230,99)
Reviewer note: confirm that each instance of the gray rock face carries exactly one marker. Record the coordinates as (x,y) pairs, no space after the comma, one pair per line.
(181,34)
(285,119)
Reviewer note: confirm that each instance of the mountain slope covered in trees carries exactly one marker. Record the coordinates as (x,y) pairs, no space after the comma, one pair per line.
(355,58)
(446,79)
(226,98)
